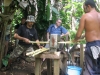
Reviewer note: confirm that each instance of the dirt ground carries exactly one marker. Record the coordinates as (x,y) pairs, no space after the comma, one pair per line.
(21,68)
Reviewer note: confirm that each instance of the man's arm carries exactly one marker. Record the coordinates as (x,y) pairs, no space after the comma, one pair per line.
(37,42)
(80,29)
(21,38)
(64,31)
(48,35)
(64,34)
(48,32)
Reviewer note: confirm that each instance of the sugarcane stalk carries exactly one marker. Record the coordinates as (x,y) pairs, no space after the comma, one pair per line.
(39,42)
(36,52)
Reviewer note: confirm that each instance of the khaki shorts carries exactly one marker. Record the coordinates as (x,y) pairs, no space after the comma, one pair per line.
(19,50)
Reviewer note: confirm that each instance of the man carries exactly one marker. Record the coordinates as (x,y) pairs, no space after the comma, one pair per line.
(7,36)
(90,22)
(23,20)
(57,29)
(25,34)
(60,30)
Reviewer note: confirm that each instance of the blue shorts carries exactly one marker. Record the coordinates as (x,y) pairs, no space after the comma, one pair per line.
(92,66)
(7,37)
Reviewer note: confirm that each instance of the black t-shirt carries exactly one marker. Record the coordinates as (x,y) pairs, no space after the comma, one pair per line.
(17,26)
(25,32)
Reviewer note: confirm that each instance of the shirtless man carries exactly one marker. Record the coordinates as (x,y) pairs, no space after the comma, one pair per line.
(90,22)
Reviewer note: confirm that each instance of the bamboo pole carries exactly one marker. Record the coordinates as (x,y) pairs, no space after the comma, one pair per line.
(67,42)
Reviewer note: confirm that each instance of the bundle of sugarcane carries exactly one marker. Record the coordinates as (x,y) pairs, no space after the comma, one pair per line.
(36,52)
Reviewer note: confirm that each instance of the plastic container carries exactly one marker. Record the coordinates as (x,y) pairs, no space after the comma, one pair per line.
(74,70)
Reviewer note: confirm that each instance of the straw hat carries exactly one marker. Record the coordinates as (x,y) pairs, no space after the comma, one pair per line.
(30,18)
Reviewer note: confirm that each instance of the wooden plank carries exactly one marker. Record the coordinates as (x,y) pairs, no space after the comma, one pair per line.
(49,67)
(38,66)
(81,56)
(56,67)
(49,55)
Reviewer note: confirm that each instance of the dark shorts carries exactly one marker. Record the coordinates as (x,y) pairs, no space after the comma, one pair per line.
(7,37)
(92,66)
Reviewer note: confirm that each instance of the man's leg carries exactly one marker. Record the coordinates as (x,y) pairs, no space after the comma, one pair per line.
(90,64)
(7,39)
(16,53)
(6,48)
(29,58)
(61,46)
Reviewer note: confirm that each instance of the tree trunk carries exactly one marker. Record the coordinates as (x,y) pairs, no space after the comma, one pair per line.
(8,14)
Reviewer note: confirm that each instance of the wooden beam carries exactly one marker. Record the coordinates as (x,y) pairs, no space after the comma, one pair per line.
(38,66)
(7,2)
(49,67)
(81,56)
(56,67)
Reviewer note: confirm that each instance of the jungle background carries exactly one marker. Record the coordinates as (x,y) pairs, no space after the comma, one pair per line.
(45,11)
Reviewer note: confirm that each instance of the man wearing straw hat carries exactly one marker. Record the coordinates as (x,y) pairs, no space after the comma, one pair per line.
(24,34)
(90,22)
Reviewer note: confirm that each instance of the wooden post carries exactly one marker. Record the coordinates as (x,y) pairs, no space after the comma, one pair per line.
(56,67)
(49,67)
(38,66)
(81,56)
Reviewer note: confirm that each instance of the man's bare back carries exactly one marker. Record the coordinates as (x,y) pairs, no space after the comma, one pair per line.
(90,22)
(92,26)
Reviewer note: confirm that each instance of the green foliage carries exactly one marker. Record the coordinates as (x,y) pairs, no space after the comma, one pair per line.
(54,10)
(48,11)
(78,9)
(17,17)
(66,13)
(83,41)
(72,34)
(5,60)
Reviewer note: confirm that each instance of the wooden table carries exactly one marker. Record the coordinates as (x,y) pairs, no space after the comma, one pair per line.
(56,56)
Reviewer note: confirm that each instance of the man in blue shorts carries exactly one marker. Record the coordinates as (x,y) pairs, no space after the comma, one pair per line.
(90,22)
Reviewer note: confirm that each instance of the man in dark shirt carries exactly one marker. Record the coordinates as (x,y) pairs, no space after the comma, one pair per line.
(25,34)
(23,20)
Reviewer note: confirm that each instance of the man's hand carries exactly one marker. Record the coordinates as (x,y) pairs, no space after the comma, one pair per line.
(74,41)
(48,40)
(26,40)
(40,47)
(62,35)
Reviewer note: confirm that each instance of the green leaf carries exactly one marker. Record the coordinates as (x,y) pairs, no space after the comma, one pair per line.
(68,6)
(55,10)
(5,62)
